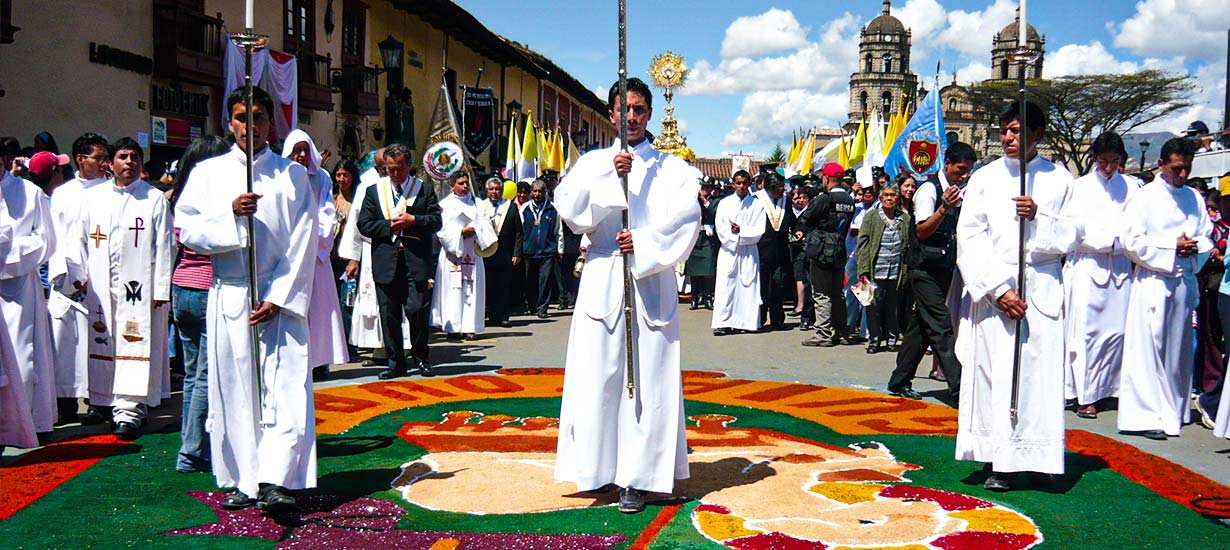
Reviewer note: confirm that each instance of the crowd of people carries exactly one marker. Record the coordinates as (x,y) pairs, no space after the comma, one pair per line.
(109,278)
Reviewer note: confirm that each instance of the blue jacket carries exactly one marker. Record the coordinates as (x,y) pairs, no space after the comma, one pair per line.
(541,239)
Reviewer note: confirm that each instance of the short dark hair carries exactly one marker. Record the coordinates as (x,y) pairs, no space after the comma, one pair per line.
(741,174)
(394,151)
(1035,118)
(85,145)
(772,179)
(523,187)
(127,144)
(259,97)
(1109,142)
(959,151)
(9,147)
(1177,146)
(634,85)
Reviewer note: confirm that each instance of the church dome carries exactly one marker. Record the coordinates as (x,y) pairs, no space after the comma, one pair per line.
(1010,33)
(885,23)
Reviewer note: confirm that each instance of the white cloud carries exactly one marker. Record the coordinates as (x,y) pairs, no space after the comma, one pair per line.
(974,71)
(770,116)
(772,31)
(1206,101)
(924,18)
(1192,28)
(972,33)
(1082,59)
(601,91)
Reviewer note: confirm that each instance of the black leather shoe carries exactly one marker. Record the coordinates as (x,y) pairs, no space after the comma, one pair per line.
(425,367)
(1156,435)
(997,482)
(906,392)
(543,316)
(127,431)
(695,305)
(96,415)
(272,499)
(721,331)
(236,500)
(505,324)
(805,326)
(631,500)
(392,372)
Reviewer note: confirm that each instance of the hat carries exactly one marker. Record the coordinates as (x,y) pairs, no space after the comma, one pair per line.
(1197,128)
(706,181)
(43,162)
(766,167)
(833,170)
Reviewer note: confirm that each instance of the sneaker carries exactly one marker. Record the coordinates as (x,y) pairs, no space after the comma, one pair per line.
(1206,419)
(818,342)
(631,500)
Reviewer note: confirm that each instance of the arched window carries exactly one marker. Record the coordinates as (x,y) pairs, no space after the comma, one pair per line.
(952,105)
(886,100)
(868,69)
(1003,69)
(888,62)
(862,100)
(952,137)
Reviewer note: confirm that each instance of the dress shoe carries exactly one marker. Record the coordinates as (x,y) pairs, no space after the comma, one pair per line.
(631,500)
(695,305)
(506,324)
(66,411)
(937,375)
(818,342)
(273,499)
(997,482)
(853,339)
(1156,435)
(1087,411)
(906,392)
(425,367)
(96,415)
(371,363)
(805,326)
(722,331)
(543,315)
(127,431)
(236,500)
(872,348)
(321,373)
(390,373)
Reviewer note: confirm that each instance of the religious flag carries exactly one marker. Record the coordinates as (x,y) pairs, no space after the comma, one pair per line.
(510,156)
(573,155)
(875,140)
(527,164)
(478,116)
(557,151)
(843,157)
(445,155)
(793,154)
(805,155)
(919,150)
(859,148)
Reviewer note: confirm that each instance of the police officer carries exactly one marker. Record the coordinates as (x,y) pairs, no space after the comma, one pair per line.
(824,224)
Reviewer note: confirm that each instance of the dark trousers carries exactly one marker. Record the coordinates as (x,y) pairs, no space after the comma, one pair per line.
(772,293)
(1210,364)
(828,292)
(568,280)
(540,282)
(499,291)
(412,298)
(931,326)
(882,315)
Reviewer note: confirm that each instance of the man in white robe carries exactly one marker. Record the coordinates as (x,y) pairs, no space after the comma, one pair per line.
(69,316)
(740,222)
(638,444)
(458,299)
(987,255)
(124,239)
(16,417)
(1096,279)
(27,213)
(1167,236)
(261,420)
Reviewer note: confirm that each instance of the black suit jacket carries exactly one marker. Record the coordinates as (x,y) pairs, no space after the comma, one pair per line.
(510,236)
(415,241)
(774,246)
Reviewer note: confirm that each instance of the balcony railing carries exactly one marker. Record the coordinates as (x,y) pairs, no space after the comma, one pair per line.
(360,89)
(187,44)
(314,92)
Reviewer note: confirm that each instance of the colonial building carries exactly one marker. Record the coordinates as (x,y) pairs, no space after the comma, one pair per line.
(884,80)
(368,71)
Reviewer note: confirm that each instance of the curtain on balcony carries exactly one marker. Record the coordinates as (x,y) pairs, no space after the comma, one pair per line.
(276,73)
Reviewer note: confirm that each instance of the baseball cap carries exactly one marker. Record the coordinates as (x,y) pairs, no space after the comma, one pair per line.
(43,162)
(833,170)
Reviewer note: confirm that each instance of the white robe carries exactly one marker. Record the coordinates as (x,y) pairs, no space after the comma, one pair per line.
(327,345)
(605,437)
(987,241)
(736,295)
(365,320)
(127,270)
(1096,282)
(1155,392)
(16,417)
(69,317)
(458,301)
(274,442)
(28,213)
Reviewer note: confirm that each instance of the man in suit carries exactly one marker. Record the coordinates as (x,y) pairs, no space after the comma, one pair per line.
(400,215)
(775,264)
(506,218)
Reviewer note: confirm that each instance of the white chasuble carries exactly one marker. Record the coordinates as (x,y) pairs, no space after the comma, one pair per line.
(16,416)
(605,437)
(266,432)
(70,325)
(27,214)
(1155,390)
(736,295)
(126,241)
(1096,280)
(458,300)
(987,255)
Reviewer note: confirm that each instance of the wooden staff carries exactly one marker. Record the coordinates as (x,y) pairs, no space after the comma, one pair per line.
(629,305)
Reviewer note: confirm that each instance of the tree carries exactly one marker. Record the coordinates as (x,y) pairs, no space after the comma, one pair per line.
(777,155)
(1080,108)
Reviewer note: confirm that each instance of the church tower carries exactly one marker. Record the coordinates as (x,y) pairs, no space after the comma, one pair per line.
(1002,67)
(884,79)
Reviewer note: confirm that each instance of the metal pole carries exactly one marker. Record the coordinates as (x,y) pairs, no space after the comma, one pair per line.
(1024,57)
(629,305)
(250,41)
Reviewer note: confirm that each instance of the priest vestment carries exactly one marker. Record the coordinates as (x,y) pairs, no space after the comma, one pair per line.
(16,417)
(1155,390)
(987,255)
(70,325)
(262,433)
(125,240)
(27,212)
(458,299)
(736,294)
(605,437)
(1096,283)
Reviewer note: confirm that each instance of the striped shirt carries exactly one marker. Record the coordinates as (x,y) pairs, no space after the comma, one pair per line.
(194,270)
(888,260)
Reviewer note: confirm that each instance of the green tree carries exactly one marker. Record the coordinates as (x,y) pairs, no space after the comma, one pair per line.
(777,155)
(1080,108)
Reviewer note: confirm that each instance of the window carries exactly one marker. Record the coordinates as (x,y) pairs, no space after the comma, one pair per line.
(300,28)
(888,62)
(354,33)
(1003,69)
(952,105)
(886,100)
(862,100)
(868,63)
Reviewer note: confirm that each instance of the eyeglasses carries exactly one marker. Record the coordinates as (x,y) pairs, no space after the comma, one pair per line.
(96,158)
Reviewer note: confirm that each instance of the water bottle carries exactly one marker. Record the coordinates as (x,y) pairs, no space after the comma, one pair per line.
(350,290)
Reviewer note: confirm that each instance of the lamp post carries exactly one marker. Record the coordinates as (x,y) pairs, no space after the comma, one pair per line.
(391,50)
(1144,146)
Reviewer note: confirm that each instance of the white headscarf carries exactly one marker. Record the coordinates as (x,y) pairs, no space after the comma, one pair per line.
(297,136)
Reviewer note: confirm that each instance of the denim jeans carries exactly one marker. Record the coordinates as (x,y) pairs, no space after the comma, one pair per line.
(188,309)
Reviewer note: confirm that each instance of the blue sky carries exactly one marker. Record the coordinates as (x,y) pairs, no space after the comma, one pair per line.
(763,69)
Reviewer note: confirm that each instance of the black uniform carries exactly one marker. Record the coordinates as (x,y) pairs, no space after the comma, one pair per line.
(825,223)
(775,265)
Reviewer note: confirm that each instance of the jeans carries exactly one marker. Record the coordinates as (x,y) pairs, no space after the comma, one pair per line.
(188,309)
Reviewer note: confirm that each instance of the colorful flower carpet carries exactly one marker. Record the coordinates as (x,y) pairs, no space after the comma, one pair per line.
(466,463)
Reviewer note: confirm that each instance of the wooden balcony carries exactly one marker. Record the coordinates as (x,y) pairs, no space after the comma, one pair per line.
(314,92)
(360,90)
(187,44)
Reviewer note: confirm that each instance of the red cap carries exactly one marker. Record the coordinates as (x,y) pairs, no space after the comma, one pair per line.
(833,170)
(43,162)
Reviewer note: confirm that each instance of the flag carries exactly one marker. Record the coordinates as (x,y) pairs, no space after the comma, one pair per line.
(805,155)
(510,156)
(859,148)
(919,150)
(875,140)
(573,155)
(542,148)
(843,156)
(558,151)
(527,165)
(445,155)
(794,149)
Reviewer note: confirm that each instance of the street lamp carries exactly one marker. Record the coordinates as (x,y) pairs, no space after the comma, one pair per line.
(390,53)
(1144,145)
